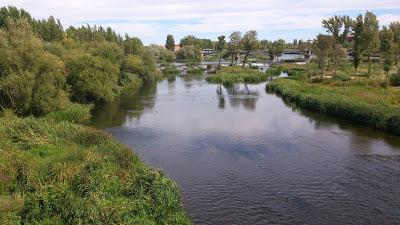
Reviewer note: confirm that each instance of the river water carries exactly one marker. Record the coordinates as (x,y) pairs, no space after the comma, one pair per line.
(244,156)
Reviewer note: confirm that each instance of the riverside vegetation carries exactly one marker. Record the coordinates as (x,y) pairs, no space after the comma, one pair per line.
(363,89)
(53,168)
(366,100)
(236,74)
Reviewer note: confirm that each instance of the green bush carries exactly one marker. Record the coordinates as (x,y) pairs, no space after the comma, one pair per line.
(340,76)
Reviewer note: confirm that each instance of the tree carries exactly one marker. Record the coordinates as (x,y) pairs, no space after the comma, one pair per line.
(133,46)
(234,44)
(276,49)
(370,36)
(249,43)
(334,26)
(189,53)
(170,43)
(395,28)
(322,47)
(32,81)
(358,27)
(220,47)
(386,36)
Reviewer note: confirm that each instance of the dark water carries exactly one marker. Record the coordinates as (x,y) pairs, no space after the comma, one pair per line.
(242,156)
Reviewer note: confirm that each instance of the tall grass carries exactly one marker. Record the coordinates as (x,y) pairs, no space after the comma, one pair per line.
(236,74)
(371,106)
(58,172)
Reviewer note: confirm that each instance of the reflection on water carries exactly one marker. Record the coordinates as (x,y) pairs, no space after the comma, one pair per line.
(244,156)
(238,95)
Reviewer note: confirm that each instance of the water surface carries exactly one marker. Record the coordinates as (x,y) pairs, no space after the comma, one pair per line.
(243,156)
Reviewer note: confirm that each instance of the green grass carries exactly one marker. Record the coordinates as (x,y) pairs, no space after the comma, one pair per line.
(356,101)
(236,74)
(170,70)
(59,172)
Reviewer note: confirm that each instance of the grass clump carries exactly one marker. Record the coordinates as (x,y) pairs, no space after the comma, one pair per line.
(236,74)
(274,71)
(395,79)
(58,172)
(372,106)
(170,70)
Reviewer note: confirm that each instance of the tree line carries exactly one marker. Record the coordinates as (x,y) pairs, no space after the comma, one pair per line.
(191,47)
(362,37)
(43,67)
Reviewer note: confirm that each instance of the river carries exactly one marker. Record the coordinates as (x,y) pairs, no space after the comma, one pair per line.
(243,156)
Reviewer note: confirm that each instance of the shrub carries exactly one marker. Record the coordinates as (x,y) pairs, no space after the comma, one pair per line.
(395,79)
(340,76)
(75,113)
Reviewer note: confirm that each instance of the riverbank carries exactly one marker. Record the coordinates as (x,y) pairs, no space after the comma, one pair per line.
(54,170)
(356,101)
(236,74)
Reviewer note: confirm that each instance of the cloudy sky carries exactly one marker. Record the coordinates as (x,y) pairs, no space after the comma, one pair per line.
(152,20)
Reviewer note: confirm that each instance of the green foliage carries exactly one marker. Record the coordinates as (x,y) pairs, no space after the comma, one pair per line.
(191,40)
(171,70)
(92,79)
(235,74)
(170,43)
(395,79)
(274,71)
(378,110)
(64,173)
(74,113)
(133,46)
(387,48)
(161,54)
(31,79)
(189,53)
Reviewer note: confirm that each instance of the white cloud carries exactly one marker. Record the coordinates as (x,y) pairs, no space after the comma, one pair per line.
(152,19)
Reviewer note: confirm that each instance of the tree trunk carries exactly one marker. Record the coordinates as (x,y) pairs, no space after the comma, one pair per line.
(369,64)
(219,62)
(245,59)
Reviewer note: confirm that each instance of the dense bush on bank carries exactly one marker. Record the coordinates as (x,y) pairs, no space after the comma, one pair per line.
(375,107)
(43,67)
(58,172)
(236,74)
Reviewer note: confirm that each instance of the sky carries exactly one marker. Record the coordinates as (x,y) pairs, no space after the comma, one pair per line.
(152,20)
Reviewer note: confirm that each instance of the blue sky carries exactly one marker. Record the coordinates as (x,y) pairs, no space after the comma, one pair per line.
(152,20)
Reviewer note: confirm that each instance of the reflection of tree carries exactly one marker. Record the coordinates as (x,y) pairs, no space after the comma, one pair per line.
(129,104)
(221,97)
(242,96)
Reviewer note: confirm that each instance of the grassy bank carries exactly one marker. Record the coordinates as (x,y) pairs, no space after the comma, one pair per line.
(236,74)
(361,101)
(56,171)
